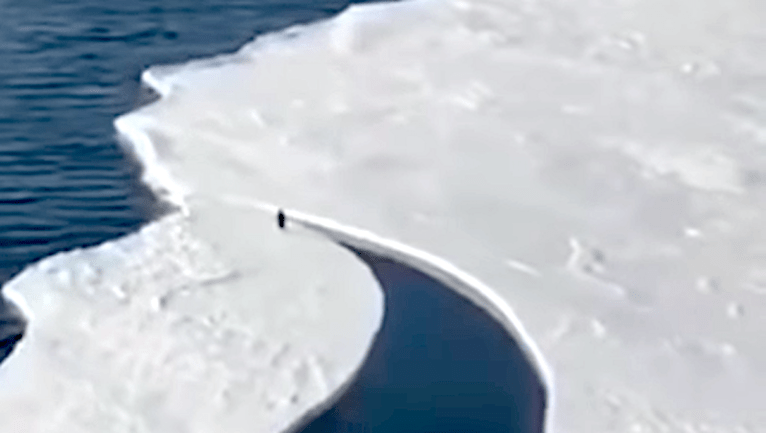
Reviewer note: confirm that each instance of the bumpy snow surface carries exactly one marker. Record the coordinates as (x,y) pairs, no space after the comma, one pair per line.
(597,164)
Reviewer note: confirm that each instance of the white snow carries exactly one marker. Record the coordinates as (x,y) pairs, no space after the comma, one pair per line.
(598,165)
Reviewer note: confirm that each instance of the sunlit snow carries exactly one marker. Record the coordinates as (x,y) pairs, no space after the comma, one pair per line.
(598,165)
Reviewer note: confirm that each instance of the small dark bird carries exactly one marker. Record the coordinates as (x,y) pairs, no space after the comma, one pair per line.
(281,219)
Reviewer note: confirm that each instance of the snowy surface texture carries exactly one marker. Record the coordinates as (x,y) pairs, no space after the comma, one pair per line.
(598,164)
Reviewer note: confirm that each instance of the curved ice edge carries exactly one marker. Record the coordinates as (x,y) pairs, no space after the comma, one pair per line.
(444,272)
(131,131)
(132,136)
(132,127)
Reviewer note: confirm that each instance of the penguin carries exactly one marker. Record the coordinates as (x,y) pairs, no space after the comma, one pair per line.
(281,219)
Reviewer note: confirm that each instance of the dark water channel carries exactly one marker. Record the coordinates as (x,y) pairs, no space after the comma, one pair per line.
(439,364)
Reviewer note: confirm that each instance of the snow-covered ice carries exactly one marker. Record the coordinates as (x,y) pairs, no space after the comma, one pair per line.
(598,165)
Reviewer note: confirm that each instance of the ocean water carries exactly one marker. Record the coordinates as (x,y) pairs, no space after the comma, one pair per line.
(68,69)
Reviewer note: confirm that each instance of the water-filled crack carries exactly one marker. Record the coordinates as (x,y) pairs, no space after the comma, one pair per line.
(440,362)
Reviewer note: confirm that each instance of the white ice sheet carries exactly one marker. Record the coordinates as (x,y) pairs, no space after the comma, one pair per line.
(598,164)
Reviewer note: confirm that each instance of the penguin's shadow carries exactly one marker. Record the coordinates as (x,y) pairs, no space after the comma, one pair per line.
(438,364)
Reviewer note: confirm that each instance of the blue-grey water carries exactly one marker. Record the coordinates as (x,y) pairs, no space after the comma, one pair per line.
(438,364)
(67,69)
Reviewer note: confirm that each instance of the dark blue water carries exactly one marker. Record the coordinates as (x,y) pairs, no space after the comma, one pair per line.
(67,69)
(438,364)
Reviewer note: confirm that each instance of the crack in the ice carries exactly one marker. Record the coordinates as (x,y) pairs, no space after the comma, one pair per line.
(449,354)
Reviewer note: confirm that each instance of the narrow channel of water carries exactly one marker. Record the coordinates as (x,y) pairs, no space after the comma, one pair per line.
(438,364)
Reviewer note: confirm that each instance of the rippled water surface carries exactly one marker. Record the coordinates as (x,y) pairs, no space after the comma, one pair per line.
(67,69)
